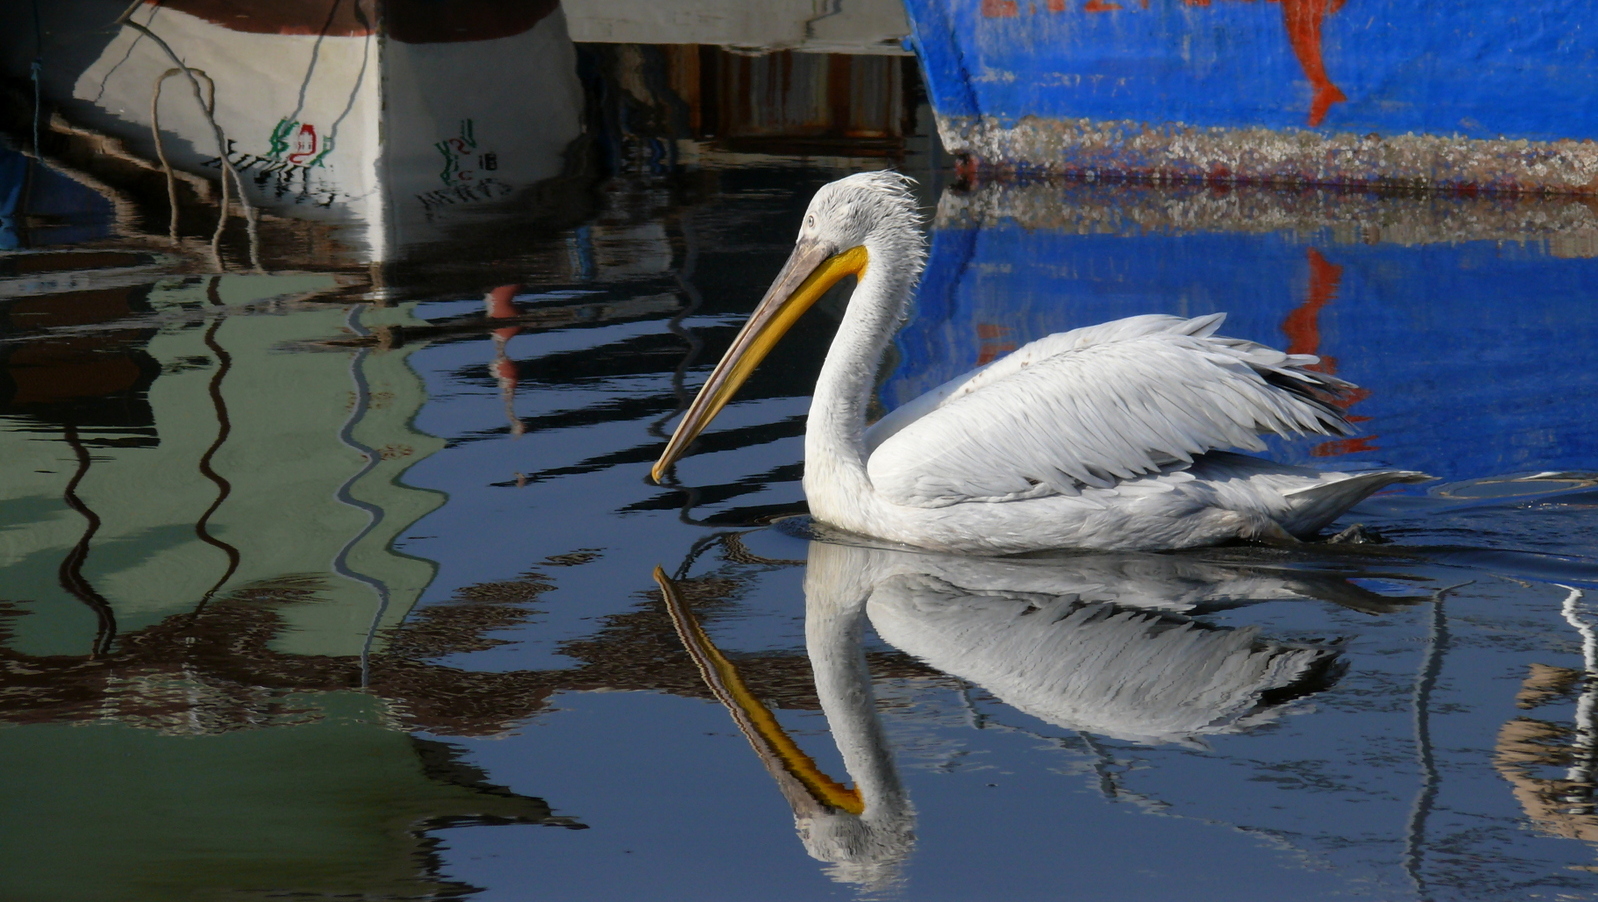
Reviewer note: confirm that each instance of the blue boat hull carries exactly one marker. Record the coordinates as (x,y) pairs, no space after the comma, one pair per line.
(1465,94)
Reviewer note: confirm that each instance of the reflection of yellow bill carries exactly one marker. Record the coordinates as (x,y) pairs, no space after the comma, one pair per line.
(767,737)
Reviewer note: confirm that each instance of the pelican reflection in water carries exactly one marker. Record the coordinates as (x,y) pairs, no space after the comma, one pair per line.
(1096,643)
(1112,436)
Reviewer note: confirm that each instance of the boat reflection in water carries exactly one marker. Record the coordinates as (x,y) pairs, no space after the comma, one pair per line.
(1106,644)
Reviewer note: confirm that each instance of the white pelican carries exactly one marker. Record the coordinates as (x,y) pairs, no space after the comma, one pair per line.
(1110,436)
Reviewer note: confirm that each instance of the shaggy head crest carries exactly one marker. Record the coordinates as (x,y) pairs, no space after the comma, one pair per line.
(867,208)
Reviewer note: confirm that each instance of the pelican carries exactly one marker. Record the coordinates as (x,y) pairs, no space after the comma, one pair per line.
(1111,437)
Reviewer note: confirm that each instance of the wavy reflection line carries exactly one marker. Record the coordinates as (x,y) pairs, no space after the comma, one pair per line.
(346,434)
(684,274)
(1585,763)
(224,429)
(71,570)
(1426,798)
(679,376)
(705,543)
(36,75)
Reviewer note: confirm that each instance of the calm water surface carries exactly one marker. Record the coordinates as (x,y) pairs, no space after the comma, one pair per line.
(329,556)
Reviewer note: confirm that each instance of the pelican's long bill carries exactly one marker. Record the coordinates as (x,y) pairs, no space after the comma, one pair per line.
(811,269)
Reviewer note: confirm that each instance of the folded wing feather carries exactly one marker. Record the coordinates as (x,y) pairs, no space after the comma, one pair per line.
(1094,406)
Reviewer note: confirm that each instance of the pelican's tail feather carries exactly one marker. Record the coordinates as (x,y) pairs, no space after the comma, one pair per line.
(1312,508)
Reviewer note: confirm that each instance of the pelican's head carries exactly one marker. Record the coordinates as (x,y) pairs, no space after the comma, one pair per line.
(869,209)
(849,222)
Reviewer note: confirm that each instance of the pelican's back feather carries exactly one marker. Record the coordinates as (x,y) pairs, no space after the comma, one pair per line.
(1095,406)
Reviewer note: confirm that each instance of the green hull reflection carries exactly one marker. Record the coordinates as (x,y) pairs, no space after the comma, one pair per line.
(251,464)
(201,660)
(333,807)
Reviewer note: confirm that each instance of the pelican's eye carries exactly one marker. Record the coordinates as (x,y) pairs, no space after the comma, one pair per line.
(810,222)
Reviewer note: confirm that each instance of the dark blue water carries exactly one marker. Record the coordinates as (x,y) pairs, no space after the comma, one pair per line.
(334,578)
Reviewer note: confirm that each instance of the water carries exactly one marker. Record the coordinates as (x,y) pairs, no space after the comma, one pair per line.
(334,576)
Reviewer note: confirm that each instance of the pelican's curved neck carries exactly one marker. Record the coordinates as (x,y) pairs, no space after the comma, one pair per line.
(835,452)
(835,614)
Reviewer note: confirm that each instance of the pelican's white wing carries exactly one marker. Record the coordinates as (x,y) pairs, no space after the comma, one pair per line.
(1094,406)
